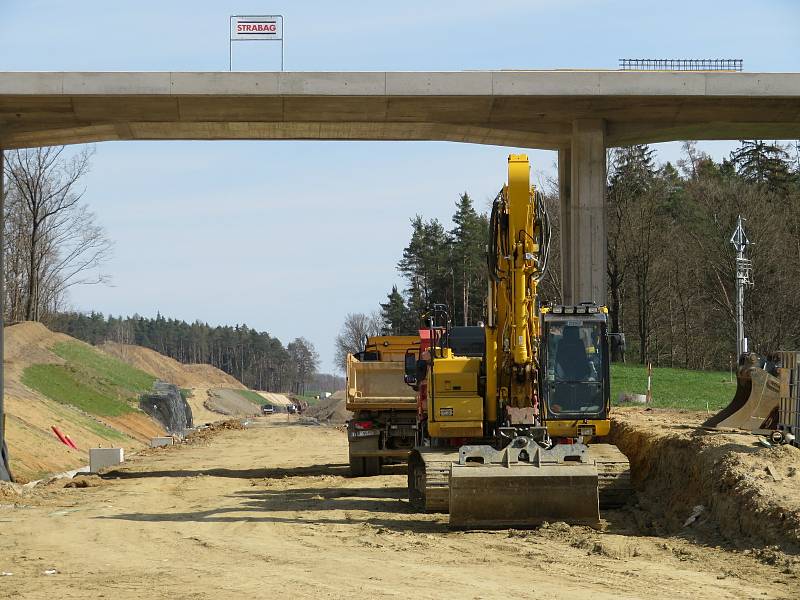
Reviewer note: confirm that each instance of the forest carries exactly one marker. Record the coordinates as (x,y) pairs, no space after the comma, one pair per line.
(671,266)
(255,358)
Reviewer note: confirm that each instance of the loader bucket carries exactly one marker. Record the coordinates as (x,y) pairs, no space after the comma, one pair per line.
(522,495)
(754,404)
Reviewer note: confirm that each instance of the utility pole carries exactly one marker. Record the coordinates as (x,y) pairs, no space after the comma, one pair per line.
(744,269)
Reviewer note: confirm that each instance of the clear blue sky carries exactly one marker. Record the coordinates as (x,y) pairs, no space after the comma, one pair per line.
(290,236)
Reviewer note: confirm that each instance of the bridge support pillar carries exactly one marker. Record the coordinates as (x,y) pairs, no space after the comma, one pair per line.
(5,470)
(582,184)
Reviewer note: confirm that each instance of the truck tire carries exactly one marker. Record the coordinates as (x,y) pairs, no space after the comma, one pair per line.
(357,466)
(372,466)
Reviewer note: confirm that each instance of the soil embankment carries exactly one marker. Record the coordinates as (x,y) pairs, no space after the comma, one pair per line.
(198,379)
(749,494)
(34,449)
(331,410)
(92,395)
(230,403)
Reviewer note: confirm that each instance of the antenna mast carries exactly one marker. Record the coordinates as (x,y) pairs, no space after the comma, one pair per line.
(744,270)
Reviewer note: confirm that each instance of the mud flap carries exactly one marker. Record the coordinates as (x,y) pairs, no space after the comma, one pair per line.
(522,495)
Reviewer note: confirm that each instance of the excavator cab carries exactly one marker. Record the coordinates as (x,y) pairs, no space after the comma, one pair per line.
(575,384)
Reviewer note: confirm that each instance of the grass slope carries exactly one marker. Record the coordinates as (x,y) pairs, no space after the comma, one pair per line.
(675,388)
(92,381)
(251,396)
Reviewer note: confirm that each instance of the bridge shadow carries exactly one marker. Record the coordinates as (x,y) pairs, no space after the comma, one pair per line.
(330,469)
(377,506)
(334,469)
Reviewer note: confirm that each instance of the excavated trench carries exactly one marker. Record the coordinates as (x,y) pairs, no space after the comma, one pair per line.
(749,494)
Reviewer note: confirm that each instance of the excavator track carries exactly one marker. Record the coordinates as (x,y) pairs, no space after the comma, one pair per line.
(613,475)
(429,477)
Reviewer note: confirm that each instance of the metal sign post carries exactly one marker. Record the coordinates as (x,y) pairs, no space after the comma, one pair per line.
(744,270)
(250,28)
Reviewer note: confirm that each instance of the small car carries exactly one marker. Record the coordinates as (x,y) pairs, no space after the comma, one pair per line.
(267,409)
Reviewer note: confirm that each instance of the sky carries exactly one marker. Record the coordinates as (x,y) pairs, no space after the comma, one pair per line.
(289,237)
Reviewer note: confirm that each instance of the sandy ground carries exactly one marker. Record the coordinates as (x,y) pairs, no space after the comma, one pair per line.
(270,512)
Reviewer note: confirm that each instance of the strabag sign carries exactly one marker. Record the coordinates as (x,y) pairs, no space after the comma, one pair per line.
(265,27)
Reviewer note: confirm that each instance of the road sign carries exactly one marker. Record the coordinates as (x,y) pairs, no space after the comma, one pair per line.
(251,28)
(266,27)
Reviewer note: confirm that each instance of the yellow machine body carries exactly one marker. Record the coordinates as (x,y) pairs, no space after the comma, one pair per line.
(473,398)
(456,407)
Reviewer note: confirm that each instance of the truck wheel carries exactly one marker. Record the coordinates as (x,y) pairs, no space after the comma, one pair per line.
(357,466)
(372,466)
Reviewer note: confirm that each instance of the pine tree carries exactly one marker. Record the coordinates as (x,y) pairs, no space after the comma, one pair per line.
(468,240)
(426,266)
(765,164)
(397,319)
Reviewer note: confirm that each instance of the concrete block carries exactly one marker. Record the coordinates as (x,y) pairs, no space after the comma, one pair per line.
(439,84)
(753,84)
(225,83)
(157,442)
(545,83)
(335,84)
(110,84)
(100,458)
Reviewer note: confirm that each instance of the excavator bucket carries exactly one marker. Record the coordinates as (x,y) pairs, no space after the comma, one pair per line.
(755,404)
(522,495)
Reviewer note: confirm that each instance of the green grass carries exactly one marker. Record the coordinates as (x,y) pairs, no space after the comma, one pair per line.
(252,396)
(674,388)
(90,380)
(67,385)
(111,371)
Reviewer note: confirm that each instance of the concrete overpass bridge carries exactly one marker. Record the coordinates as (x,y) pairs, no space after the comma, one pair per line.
(577,113)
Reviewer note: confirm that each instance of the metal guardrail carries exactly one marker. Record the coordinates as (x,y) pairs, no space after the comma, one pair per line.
(681,64)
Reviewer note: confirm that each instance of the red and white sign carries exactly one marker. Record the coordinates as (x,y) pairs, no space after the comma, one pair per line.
(264,27)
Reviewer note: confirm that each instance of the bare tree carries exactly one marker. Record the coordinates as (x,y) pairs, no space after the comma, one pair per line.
(305,360)
(356,327)
(54,241)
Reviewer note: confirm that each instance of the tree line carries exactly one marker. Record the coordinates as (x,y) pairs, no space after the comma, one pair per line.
(255,358)
(671,267)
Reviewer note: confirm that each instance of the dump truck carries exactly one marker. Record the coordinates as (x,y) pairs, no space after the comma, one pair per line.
(382,429)
(511,411)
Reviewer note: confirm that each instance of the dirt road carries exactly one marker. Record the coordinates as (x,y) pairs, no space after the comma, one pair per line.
(269,512)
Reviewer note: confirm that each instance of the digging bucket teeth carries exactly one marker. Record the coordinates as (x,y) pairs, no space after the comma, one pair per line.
(522,495)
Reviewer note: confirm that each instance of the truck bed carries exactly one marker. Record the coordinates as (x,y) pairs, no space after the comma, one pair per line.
(377,385)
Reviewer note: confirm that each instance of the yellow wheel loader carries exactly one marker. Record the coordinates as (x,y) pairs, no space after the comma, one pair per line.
(509,411)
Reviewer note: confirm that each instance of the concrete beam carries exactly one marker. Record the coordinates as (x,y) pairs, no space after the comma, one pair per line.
(588,212)
(533,109)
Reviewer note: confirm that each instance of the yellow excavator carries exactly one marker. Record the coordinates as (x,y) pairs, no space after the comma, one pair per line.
(508,412)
